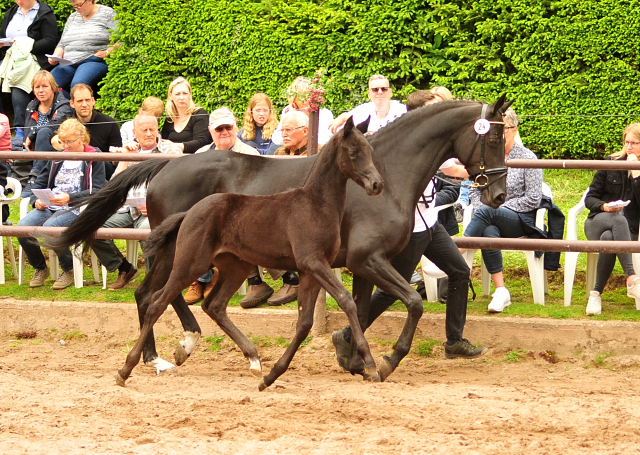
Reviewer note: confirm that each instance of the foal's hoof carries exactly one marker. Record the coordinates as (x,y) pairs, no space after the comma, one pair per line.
(181,355)
(119,380)
(385,368)
(262,386)
(371,377)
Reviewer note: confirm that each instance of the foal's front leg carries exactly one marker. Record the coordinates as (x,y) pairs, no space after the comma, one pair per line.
(307,296)
(326,278)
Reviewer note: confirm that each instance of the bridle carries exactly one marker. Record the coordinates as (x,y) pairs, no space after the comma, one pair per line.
(480,179)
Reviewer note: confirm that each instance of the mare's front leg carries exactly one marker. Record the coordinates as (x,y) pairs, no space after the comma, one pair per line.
(231,274)
(326,278)
(307,296)
(379,271)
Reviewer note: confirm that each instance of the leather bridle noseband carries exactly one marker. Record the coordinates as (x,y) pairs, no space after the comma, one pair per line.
(481,178)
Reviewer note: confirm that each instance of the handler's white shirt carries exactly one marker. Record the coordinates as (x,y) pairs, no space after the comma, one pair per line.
(360,114)
(428,211)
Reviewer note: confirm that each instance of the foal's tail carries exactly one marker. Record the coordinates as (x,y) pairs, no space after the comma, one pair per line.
(163,234)
(101,205)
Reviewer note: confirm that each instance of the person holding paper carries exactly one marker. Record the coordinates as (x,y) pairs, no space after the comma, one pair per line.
(33,21)
(145,131)
(610,219)
(85,42)
(62,182)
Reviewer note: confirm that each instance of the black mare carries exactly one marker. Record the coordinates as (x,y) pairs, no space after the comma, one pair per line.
(407,152)
(234,231)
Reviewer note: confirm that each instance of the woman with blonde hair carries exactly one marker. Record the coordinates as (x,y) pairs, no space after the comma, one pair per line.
(68,181)
(611,219)
(260,122)
(187,124)
(441,92)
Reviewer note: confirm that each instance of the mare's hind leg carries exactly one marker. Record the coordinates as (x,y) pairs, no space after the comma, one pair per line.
(231,274)
(378,270)
(323,274)
(307,295)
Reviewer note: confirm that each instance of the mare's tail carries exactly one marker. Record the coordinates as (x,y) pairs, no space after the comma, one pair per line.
(101,205)
(163,234)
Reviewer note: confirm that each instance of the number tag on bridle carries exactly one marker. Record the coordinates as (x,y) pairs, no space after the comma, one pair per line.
(482,126)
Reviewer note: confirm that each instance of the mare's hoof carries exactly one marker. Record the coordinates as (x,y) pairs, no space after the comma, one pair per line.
(385,368)
(367,376)
(172,370)
(119,380)
(256,368)
(262,385)
(180,355)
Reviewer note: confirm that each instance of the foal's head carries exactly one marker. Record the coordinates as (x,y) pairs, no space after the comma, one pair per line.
(354,158)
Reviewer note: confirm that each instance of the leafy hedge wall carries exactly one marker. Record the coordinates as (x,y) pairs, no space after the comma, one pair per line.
(571,65)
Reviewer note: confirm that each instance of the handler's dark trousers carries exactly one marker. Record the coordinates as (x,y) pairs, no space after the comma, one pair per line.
(437,246)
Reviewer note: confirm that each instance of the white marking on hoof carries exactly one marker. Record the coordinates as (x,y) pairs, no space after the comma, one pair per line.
(190,341)
(162,366)
(256,368)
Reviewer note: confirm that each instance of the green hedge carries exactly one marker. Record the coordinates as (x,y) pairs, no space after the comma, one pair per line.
(571,65)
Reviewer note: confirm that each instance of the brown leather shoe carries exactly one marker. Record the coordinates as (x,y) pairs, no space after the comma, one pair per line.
(124,278)
(195,292)
(287,293)
(256,294)
(211,284)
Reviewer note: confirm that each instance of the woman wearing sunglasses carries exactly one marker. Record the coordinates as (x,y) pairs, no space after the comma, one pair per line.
(610,220)
(381,108)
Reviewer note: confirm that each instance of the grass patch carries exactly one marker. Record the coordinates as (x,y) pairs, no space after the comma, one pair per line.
(263,341)
(73,335)
(214,342)
(424,348)
(515,355)
(601,357)
(306,341)
(282,342)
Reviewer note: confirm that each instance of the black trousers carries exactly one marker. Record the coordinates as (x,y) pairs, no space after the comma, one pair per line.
(437,246)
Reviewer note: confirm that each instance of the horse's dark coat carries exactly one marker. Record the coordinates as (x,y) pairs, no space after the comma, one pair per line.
(407,153)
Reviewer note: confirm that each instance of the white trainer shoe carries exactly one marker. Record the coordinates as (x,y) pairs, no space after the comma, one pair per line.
(501,300)
(594,306)
(633,291)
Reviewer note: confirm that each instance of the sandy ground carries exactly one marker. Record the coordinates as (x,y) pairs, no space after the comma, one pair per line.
(62,399)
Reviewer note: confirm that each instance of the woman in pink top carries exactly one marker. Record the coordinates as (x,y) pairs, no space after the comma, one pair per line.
(5,145)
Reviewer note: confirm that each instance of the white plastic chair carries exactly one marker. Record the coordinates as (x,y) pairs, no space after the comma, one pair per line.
(537,274)
(16,187)
(53,258)
(571,258)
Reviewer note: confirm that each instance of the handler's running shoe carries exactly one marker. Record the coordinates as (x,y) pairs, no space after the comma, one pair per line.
(462,348)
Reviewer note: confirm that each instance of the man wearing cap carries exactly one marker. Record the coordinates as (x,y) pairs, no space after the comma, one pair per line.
(224,131)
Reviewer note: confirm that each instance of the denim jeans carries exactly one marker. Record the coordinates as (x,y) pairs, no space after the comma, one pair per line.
(496,223)
(89,71)
(30,245)
(19,100)
(609,226)
(106,250)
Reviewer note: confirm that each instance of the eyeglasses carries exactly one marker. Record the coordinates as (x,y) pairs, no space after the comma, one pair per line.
(68,143)
(77,7)
(507,128)
(631,144)
(290,130)
(221,128)
(379,89)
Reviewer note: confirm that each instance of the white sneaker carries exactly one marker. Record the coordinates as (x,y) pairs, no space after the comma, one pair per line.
(594,306)
(633,291)
(501,300)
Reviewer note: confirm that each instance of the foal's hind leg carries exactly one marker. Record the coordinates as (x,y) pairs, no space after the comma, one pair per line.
(231,274)
(307,295)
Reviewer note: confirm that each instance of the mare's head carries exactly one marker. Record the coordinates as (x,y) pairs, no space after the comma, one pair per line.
(481,149)
(354,157)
